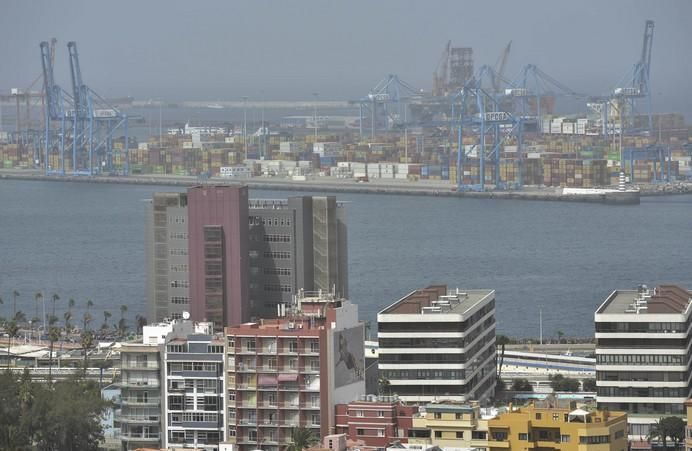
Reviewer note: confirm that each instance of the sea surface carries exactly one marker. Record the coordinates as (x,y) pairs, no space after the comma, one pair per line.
(86,241)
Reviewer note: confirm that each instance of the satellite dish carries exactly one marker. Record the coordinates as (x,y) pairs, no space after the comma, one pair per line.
(186,315)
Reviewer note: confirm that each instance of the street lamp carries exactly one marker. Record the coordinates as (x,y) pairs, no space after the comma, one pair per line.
(245,124)
(316,95)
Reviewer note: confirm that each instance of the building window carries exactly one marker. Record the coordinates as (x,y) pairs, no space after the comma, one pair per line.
(564,438)
(543,435)
(556,416)
(360,432)
(499,435)
(380,413)
(437,415)
(438,434)
(523,436)
(458,416)
(539,416)
(359,413)
(380,432)
(460,434)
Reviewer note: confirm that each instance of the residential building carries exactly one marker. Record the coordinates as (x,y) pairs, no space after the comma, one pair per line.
(553,429)
(291,371)
(375,421)
(285,246)
(446,425)
(688,427)
(193,391)
(642,354)
(295,244)
(167,260)
(439,344)
(218,254)
(110,420)
(141,381)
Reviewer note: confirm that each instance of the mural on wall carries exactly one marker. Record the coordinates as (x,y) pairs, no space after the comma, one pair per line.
(349,356)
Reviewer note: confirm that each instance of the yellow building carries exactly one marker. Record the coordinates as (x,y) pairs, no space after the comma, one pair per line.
(553,429)
(449,426)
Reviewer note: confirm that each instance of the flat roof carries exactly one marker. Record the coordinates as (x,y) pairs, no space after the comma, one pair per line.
(664,299)
(426,301)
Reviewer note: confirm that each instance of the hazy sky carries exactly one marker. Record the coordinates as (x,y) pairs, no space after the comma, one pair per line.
(184,50)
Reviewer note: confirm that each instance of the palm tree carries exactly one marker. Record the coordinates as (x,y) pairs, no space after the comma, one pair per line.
(12,332)
(70,305)
(89,304)
(87,341)
(657,433)
(19,317)
(67,316)
(15,295)
(106,316)
(502,341)
(141,322)
(301,438)
(38,297)
(55,297)
(86,320)
(121,323)
(53,336)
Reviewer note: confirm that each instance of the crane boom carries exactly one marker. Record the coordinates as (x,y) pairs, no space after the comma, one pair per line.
(78,88)
(645,61)
(51,89)
(500,69)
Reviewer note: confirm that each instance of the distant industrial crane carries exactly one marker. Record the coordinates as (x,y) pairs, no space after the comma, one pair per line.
(500,67)
(386,103)
(441,74)
(56,130)
(95,123)
(636,85)
(478,112)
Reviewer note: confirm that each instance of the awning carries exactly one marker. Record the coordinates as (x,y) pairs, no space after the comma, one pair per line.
(290,377)
(267,380)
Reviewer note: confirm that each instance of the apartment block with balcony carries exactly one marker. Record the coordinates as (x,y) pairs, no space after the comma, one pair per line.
(291,371)
(643,355)
(141,371)
(140,414)
(167,260)
(449,425)
(193,390)
(558,429)
(375,421)
(439,344)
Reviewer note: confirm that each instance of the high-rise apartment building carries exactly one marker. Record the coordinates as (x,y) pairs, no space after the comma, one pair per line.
(295,244)
(642,354)
(289,245)
(439,344)
(193,392)
(141,377)
(218,253)
(167,260)
(291,371)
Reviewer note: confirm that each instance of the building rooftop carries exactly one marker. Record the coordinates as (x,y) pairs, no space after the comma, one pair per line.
(662,299)
(437,299)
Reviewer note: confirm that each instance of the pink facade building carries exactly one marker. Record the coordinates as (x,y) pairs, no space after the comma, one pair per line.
(218,254)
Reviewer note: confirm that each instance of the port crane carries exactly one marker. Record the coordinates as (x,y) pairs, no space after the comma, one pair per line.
(477,111)
(634,87)
(385,104)
(57,130)
(95,123)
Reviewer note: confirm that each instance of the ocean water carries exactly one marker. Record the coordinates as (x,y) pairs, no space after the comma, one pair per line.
(85,241)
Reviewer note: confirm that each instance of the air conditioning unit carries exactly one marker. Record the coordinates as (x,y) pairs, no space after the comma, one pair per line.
(291,325)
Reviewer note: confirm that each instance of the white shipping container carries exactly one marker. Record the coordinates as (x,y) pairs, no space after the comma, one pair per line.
(568,128)
(358,174)
(510,148)
(533,155)
(143,146)
(343,164)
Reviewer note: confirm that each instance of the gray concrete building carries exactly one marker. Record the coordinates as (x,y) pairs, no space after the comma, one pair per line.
(293,244)
(166,243)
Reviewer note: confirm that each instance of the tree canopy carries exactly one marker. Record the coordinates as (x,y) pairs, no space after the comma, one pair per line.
(558,382)
(49,417)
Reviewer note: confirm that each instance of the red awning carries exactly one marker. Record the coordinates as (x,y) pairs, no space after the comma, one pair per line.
(290,377)
(267,380)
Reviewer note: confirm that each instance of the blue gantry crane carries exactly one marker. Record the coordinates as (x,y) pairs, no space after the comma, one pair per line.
(386,104)
(83,123)
(95,124)
(635,86)
(57,130)
(479,112)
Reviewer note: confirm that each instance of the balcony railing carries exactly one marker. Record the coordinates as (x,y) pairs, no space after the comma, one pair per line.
(134,436)
(141,402)
(139,418)
(151,383)
(140,366)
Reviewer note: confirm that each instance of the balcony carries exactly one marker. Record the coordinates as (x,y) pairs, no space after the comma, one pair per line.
(288,388)
(150,402)
(268,405)
(140,437)
(310,406)
(247,422)
(267,369)
(245,368)
(151,383)
(310,370)
(498,444)
(288,351)
(246,387)
(246,350)
(291,405)
(152,366)
(139,419)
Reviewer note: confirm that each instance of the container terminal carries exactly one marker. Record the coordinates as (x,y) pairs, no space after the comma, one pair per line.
(475,131)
